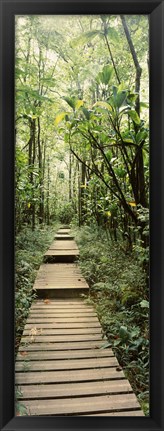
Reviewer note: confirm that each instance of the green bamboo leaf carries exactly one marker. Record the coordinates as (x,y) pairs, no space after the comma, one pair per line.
(134,116)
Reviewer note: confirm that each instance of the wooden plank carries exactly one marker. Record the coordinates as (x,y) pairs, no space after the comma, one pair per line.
(70,354)
(82,405)
(79,364)
(61,301)
(68,376)
(55,252)
(58,302)
(61,315)
(63,245)
(64,313)
(65,331)
(60,338)
(58,285)
(67,230)
(57,325)
(120,413)
(60,319)
(74,389)
(92,344)
(59,266)
(56,307)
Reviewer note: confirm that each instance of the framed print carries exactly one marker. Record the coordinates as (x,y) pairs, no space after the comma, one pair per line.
(82,166)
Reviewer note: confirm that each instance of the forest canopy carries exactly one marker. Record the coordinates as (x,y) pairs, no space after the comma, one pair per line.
(82,118)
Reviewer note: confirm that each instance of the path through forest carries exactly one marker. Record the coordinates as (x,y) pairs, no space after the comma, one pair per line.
(62,367)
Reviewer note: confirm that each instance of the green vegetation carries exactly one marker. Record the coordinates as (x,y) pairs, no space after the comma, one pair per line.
(30,248)
(82,157)
(118,291)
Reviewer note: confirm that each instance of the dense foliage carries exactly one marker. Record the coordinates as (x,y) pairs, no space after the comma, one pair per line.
(82,157)
(117,290)
(30,247)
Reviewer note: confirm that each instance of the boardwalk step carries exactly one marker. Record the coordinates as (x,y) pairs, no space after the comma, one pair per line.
(65,370)
(82,405)
(63,237)
(59,280)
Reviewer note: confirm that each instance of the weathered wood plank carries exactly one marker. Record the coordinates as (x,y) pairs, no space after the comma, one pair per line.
(61,315)
(92,344)
(61,338)
(55,252)
(71,354)
(65,313)
(65,331)
(67,325)
(58,267)
(82,405)
(79,364)
(120,413)
(60,319)
(63,245)
(49,305)
(64,230)
(68,376)
(74,389)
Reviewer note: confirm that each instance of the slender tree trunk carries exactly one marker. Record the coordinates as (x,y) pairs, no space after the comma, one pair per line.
(110,52)
(48,192)
(70,176)
(137,175)
(136,63)
(41,200)
(33,180)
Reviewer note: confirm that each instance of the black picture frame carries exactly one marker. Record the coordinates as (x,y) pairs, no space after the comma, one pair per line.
(155,10)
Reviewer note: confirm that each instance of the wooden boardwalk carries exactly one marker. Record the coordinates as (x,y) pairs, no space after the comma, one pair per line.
(62,366)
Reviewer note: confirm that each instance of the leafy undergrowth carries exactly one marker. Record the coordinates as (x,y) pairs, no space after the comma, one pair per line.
(118,291)
(30,247)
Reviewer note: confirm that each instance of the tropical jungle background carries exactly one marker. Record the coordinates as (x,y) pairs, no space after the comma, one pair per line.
(82,158)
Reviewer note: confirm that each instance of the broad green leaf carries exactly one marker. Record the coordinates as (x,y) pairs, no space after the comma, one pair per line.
(70,101)
(79,103)
(105,76)
(85,37)
(144,105)
(128,140)
(86,113)
(123,332)
(113,34)
(141,135)
(120,98)
(144,304)
(103,105)
(134,116)
(104,346)
(60,117)
(108,155)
